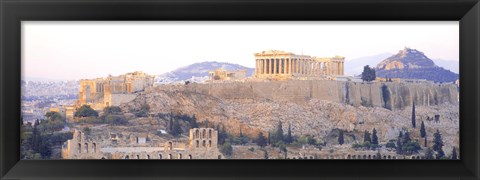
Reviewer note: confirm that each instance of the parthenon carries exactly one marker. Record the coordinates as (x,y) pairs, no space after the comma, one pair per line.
(281,64)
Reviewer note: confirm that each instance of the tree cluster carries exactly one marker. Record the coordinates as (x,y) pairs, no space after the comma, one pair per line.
(368,74)
(405,145)
(86,111)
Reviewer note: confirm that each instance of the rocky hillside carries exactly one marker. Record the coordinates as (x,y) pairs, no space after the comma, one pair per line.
(413,64)
(198,72)
(310,116)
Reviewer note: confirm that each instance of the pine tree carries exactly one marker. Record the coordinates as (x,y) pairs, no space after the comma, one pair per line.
(340,138)
(170,124)
(374,136)
(399,143)
(406,138)
(440,154)
(366,137)
(413,115)
(423,133)
(437,140)
(454,153)
(35,139)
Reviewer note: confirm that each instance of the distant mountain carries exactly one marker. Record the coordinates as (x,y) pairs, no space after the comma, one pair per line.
(413,64)
(198,72)
(355,66)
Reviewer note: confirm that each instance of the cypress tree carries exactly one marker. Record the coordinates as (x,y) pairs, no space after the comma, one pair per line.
(454,153)
(399,143)
(425,141)
(193,122)
(260,140)
(423,133)
(340,137)
(413,115)
(374,136)
(289,134)
(437,140)
(279,132)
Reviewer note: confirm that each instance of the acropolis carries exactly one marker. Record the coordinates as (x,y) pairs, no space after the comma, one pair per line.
(286,65)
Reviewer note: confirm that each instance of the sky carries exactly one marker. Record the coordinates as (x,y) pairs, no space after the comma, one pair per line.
(73,50)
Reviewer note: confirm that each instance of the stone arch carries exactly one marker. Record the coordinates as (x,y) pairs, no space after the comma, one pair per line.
(86,147)
(209,143)
(197,134)
(127,157)
(394,157)
(374,156)
(209,133)
(349,157)
(413,157)
(384,157)
(369,156)
(354,157)
(79,148)
(94,147)
(148,156)
(389,157)
(138,156)
(170,156)
(418,157)
(159,156)
(204,134)
(103,158)
(219,156)
(364,156)
(203,143)
(311,157)
(198,144)
(179,156)
(190,156)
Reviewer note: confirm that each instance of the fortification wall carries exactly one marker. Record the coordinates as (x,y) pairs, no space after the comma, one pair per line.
(377,94)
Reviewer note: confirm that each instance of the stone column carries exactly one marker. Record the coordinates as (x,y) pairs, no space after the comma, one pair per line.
(274,66)
(289,66)
(264,67)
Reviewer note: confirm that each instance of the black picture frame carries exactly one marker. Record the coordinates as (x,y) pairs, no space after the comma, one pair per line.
(12,12)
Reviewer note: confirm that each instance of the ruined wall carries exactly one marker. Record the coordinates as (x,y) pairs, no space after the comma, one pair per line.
(397,95)
(117,99)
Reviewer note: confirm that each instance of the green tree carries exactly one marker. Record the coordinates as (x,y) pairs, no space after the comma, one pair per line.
(368,74)
(112,110)
(366,137)
(289,138)
(176,128)
(374,137)
(261,140)
(429,154)
(399,143)
(193,122)
(413,115)
(454,153)
(406,138)
(437,141)
(86,111)
(278,137)
(340,137)
(423,133)
(440,154)
(226,149)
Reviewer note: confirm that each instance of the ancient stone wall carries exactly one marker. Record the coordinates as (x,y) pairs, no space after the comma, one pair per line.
(374,94)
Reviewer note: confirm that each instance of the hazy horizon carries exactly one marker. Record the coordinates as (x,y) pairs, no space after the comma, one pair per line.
(83,50)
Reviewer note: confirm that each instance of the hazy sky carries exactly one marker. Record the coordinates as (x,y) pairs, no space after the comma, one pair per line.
(75,50)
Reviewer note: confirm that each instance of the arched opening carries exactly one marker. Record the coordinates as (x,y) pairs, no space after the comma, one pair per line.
(86,147)
(349,157)
(127,157)
(204,134)
(354,157)
(418,157)
(79,148)
(94,147)
(394,157)
(138,156)
(369,156)
(384,157)
(198,144)
(160,156)
(203,143)
(148,156)
(311,157)
(374,156)
(209,143)
(170,145)
(364,156)
(103,157)
(210,133)
(179,156)
(389,157)
(219,156)
(197,135)
(413,157)
(190,156)
(169,156)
